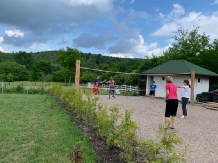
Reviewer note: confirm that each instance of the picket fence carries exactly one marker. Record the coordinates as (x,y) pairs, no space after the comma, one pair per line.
(125,88)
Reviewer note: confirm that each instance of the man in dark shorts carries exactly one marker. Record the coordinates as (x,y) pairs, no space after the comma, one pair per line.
(152,91)
(112,84)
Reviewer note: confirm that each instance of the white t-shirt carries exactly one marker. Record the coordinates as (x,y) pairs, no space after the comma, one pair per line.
(185,92)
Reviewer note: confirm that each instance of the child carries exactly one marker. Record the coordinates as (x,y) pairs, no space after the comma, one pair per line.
(95,90)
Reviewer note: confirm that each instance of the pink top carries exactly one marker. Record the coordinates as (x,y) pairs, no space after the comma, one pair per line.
(172,91)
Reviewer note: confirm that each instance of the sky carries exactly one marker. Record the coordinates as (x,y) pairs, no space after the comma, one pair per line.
(118,28)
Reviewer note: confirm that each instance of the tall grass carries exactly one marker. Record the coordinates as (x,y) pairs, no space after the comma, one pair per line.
(33,128)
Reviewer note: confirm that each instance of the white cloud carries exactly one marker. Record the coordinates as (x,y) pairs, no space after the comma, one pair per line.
(43,47)
(102,5)
(166,30)
(136,46)
(14,33)
(1,49)
(158,51)
(207,23)
(120,55)
(139,14)
(1,39)
(177,11)
(33,46)
(215,2)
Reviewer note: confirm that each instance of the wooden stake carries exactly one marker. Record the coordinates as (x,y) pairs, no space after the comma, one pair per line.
(192,87)
(77,75)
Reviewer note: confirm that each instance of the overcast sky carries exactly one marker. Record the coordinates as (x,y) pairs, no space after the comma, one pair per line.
(123,28)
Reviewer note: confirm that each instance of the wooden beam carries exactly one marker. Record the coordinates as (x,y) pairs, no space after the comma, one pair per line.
(192,87)
(77,75)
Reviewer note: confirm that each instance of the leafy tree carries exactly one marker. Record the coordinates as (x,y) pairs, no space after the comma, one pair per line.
(18,71)
(40,67)
(24,58)
(58,76)
(87,77)
(188,46)
(10,77)
(67,59)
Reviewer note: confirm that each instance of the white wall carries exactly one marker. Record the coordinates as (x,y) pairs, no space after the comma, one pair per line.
(201,84)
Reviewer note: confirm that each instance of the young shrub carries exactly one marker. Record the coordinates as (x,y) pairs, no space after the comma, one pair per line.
(163,150)
(127,136)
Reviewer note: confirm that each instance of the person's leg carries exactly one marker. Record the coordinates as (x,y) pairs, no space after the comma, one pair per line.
(153,96)
(173,122)
(109,92)
(113,93)
(185,109)
(167,115)
(174,112)
(184,103)
(150,96)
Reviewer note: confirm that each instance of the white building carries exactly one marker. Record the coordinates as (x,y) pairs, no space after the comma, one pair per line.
(179,70)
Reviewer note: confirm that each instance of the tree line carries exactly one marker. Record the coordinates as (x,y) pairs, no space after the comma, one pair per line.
(59,65)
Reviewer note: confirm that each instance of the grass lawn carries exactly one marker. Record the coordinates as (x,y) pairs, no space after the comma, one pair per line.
(32,84)
(31,132)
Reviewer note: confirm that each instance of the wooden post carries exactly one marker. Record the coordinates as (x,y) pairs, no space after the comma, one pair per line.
(192,87)
(77,75)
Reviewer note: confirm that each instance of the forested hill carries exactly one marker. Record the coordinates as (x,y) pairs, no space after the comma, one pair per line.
(95,61)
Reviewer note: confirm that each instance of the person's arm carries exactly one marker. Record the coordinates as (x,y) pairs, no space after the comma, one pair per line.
(167,94)
(181,86)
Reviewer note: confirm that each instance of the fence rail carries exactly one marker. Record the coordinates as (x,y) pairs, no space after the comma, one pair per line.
(120,87)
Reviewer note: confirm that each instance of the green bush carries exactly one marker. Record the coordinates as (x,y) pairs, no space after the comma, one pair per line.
(119,130)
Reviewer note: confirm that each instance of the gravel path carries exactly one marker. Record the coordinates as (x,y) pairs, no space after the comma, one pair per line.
(199,131)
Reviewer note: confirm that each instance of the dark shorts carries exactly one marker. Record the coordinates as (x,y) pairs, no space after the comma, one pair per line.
(152,93)
(171,107)
(111,90)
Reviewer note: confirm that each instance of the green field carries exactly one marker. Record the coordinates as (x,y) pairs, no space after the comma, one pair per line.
(32,84)
(33,132)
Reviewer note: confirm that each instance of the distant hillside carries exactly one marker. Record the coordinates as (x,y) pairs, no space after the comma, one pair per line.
(89,60)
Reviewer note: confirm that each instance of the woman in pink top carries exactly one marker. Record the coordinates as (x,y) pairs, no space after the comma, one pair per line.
(171,102)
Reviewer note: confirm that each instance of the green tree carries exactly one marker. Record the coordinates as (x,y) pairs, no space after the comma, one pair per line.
(18,71)
(188,46)
(67,59)
(24,58)
(39,68)
(10,77)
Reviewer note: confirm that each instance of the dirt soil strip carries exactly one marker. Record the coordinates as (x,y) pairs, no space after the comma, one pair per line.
(199,131)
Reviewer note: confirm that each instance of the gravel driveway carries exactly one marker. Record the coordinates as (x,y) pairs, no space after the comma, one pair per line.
(199,131)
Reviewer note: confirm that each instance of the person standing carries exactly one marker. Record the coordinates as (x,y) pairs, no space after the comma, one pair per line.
(171,102)
(95,90)
(152,91)
(97,80)
(185,97)
(112,84)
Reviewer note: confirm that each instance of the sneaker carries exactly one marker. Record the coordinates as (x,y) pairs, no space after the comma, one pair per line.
(113,96)
(182,117)
(172,128)
(185,116)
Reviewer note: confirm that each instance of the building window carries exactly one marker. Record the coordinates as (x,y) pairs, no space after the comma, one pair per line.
(163,78)
(199,80)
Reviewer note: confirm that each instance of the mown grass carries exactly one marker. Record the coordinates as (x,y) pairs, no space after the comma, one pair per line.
(32,132)
(33,84)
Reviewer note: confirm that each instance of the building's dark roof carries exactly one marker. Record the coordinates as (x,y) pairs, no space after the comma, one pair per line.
(179,67)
